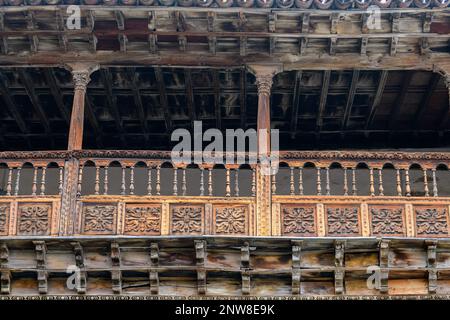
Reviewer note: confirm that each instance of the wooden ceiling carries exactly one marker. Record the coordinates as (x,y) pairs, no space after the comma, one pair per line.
(139,107)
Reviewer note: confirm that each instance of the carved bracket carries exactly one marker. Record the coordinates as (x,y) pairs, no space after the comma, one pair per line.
(431,265)
(116,273)
(79,260)
(339,272)
(200,254)
(41,263)
(154,259)
(296,263)
(5,275)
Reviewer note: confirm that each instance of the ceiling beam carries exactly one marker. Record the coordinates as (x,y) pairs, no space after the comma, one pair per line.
(323,98)
(35,102)
(216,86)
(10,104)
(189,96)
(243,97)
(56,93)
(296,102)
(425,102)
(350,98)
(134,85)
(400,100)
(90,115)
(112,102)
(377,99)
(159,77)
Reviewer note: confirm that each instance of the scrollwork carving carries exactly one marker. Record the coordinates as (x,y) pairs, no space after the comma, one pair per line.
(187,219)
(299,221)
(231,220)
(387,221)
(99,219)
(431,222)
(143,220)
(343,221)
(4,216)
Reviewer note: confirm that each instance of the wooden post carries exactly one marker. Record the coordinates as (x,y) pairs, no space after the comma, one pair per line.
(81,77)
(264,77)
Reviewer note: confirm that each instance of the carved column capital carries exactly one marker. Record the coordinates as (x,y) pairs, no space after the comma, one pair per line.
(81,73)
(264,76)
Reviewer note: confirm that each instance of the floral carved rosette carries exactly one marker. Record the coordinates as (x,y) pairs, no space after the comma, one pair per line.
(298,221)
(187,219)
(343,221)
(387,221)
(231,220)
(34,219)
(143,220)
(99,219)
(431,222)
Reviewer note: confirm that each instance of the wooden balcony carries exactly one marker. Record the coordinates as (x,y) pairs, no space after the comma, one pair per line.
(142,193)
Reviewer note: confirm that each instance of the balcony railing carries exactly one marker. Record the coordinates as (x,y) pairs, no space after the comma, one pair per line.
(314,194)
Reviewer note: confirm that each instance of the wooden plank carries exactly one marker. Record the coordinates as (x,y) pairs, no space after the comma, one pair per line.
(350,98)
(377,99)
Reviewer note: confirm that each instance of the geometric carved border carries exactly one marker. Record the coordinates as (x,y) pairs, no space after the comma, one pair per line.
(230,219)
(99,218)
(431,221)
(299,220)
(387,220)
(34,219)
(4,218)
(343,220)
(187,219)
(142,219)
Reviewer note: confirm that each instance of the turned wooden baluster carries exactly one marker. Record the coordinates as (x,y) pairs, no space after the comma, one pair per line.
(292,187)
(97,180)
(319,184)
(158,180)
(149,180)
(80,180)
(9,185)
(202,182)
(253,182)
(354,188)
(274,184)
(60,183)
(34,186)
(227,183)
(435,188)
(105,181)
(425,183)
(210,185)
(44,173)
(236,182)
(345,182)
(16,190)
(399,184)
(327,186)
(122,184)
(183,185)
(372,187)
(175,181)
(300,181)
(407,183)
(380,182)
(132,180)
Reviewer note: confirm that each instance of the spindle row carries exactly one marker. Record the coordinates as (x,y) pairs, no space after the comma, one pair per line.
(302,4)
(165,179)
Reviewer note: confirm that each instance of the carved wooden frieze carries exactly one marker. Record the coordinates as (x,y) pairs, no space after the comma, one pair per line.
(343,220)
(34,219)
(4,218)
(298,220)
(387,221)
(99,218)
(187,219)
(229,220)
(143,219)
(431,222)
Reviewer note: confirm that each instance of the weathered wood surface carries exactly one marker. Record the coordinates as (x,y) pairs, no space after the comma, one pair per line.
(270,266)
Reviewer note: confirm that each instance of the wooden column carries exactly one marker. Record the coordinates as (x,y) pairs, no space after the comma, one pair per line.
(81,77)
(264,77)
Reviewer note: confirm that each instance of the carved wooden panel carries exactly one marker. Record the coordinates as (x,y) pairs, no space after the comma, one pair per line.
(142,219)
(299,220)
(387,220)
(343,220)
(187,219)
(34,219)
(231,220)
(99,218)
(4,219)
(431,221)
